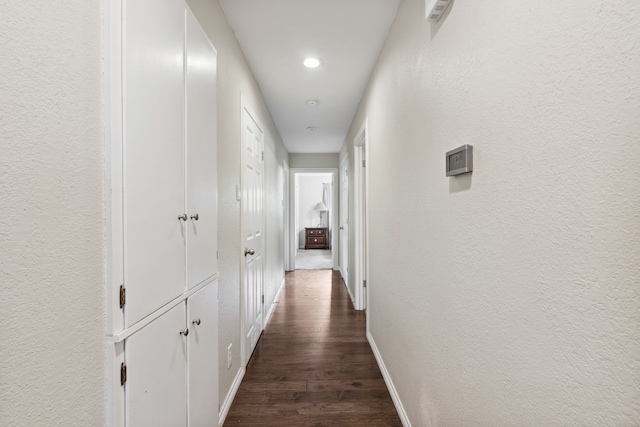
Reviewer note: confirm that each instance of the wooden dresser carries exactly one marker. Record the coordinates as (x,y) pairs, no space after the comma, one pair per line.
(316,238)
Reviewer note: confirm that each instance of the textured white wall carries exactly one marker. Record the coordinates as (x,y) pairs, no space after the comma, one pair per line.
(508,296)
(234,77)
(52,278)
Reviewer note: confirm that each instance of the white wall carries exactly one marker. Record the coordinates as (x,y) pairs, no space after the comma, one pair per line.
(309,195)
(319,160)
(508,296)
(234,77)
(52,233)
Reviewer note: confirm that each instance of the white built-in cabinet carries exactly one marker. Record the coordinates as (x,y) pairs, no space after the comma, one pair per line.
(169,154)
(156,357)
(164,324)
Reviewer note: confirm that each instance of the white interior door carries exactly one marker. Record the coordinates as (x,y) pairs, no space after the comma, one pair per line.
(153,155)
(201,196)
(344,220)
(202,320)
(252,230)
(156,387)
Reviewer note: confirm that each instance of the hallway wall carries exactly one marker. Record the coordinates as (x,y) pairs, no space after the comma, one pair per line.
(508,296)
(234,77)
(317,160)
(52,253)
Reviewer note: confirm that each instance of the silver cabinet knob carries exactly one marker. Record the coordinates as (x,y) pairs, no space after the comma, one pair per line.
(249,252)
(196,216)
(196,321)
(341,228)
(184,332)
(183,217)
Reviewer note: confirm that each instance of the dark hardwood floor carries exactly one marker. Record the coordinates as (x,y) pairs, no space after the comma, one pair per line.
(313,365)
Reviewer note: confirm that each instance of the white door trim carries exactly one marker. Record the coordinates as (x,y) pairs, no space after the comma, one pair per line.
(360,222)
(293,202)
(287,217)
(344,220)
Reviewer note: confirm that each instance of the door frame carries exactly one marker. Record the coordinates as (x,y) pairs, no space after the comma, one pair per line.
(287,216)
(293,218)
(361,226)
(244,105)
(344,220)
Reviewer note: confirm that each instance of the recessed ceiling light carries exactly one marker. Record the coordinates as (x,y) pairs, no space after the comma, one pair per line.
(313,128)
(312,62)
(312,101)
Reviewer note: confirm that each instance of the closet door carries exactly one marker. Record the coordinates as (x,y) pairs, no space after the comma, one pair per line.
(153,164)
(201,155)
(202,318)
(156,384)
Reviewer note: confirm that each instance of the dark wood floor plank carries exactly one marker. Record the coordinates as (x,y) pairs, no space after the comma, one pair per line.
(313,365)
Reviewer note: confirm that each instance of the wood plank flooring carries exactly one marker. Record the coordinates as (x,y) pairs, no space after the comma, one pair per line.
(313,365)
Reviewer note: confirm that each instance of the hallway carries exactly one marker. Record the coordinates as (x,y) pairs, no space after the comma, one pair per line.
(313,365)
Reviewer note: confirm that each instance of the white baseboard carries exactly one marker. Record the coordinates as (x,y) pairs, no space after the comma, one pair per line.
(353,300)
(224,410)
(274,304)
(387,379)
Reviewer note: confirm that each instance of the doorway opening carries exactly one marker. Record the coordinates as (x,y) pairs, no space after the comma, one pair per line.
(314,212)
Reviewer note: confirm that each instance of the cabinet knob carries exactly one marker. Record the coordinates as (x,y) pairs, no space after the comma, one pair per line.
(196,321)
(315,240)
(196,216)
(249,252)
(184,332)
(183,217)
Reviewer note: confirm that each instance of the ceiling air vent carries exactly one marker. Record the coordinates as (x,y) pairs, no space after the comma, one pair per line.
(435,9)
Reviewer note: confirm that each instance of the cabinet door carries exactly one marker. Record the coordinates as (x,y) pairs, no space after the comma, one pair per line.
(153,154)
(202,317)
(156,385)
(201,155)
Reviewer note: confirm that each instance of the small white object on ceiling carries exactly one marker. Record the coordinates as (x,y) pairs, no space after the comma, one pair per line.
(435,9)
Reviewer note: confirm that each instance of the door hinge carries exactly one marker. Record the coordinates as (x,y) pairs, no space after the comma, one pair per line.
(263,156)
(123,296)
(262,299)
(123,373)
(364,163)
(364,283)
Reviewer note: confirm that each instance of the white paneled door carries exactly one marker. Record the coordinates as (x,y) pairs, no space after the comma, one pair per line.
(252,230)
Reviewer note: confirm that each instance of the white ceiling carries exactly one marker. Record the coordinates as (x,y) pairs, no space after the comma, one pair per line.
(276,35)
